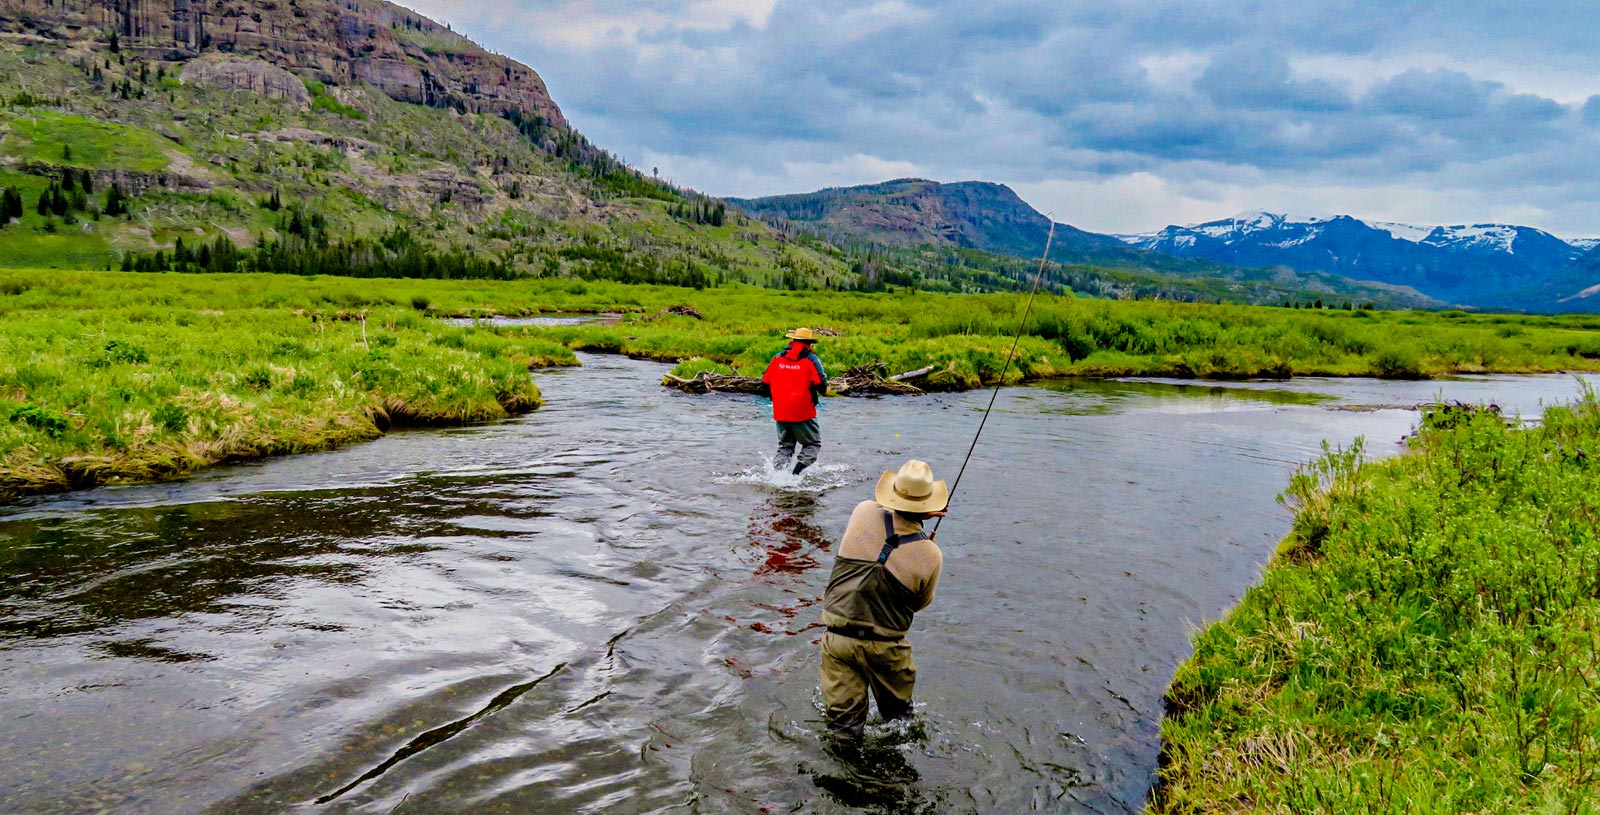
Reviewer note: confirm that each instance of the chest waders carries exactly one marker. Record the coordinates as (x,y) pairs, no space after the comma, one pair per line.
(864,600)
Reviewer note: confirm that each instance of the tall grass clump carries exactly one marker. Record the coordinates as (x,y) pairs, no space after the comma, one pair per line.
(1427,639)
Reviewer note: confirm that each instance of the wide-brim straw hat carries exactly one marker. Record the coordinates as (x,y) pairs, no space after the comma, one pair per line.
(913,489)
(804,334)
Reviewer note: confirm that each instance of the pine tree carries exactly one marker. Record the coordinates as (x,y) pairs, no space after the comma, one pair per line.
(116,202)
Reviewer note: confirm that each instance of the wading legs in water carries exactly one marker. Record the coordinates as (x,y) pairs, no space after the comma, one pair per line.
(807,435)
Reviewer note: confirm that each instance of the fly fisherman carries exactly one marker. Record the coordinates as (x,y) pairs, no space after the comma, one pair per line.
(885,572)
(795,381)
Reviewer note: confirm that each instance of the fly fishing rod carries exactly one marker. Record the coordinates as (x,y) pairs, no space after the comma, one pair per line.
(1021,327)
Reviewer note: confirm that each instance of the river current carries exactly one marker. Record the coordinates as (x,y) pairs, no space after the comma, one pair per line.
(610,606)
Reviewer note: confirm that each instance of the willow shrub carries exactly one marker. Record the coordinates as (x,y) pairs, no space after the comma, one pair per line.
(1424,641)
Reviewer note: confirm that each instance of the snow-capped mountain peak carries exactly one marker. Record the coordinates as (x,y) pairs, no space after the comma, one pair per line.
(1463,262)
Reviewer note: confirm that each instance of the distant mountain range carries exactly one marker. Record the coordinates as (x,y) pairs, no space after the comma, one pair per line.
(1489,265)
(1500,266)
(916,212)
(376,128)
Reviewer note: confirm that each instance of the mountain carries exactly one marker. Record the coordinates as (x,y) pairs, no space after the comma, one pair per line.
(332,136)
(978,215)
(1488,265)
(385,46)
(913,212)
(358,137)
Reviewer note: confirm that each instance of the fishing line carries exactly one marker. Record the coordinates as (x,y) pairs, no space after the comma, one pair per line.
(1023,326)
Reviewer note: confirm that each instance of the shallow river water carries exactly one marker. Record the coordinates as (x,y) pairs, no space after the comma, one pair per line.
(608,606)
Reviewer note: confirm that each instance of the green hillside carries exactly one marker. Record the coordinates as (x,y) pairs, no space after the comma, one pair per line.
(197,163)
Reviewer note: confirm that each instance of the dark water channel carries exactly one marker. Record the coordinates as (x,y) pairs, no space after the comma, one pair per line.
(604,607)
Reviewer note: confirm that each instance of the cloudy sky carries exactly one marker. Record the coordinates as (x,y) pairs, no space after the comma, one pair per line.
(1119,115)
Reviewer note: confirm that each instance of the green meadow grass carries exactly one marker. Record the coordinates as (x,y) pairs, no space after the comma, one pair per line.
(1427,639)
(46,136)
(967,337)
(110,375)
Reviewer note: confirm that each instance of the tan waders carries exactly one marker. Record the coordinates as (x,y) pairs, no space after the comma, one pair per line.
(852,667)
(867,612)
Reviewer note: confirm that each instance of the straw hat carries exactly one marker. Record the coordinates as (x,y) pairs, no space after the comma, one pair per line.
(803,334)
(912,489)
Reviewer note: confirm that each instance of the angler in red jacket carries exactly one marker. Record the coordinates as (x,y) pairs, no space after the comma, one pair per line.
(796,382)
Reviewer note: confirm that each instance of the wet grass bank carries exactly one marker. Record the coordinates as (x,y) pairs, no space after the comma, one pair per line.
(1427,639)
(106,377)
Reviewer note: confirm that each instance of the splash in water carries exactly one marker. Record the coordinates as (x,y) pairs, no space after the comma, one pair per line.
(816,479)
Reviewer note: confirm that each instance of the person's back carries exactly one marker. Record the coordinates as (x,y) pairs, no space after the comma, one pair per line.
(793,375)
(885,571)
(910,574)
(796,382)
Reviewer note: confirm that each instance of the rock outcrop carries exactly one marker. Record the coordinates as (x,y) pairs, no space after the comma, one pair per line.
(397,51)
(231,72)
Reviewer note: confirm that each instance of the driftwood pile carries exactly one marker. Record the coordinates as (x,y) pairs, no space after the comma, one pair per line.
(682,311)
(863,380)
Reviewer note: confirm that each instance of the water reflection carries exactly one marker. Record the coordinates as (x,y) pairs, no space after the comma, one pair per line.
(782,529)
(1103,397)
(785,544)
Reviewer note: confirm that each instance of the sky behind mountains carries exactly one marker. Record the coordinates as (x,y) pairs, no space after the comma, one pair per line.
(1120,116)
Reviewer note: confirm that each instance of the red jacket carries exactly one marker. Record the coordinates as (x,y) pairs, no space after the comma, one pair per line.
(796,381)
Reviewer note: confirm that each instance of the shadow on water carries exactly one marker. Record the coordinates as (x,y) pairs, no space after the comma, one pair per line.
(873,774)
(101,570)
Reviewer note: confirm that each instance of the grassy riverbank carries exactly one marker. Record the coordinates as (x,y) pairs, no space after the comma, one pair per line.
(968,336)
(108,375)
(1425,641)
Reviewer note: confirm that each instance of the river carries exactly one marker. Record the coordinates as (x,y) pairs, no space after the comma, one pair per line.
(607,605)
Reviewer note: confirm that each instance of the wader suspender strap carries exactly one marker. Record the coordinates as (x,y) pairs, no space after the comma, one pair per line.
(891,540)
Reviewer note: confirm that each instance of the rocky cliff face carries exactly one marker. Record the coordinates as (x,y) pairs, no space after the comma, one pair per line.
(230,72)
(403,54)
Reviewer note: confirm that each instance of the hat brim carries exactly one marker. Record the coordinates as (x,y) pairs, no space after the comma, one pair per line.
(885,495)
(791,336)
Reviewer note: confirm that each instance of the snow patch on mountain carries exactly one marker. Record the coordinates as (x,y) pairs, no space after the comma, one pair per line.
(1584,244)
(1405,232)
(1494,237)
